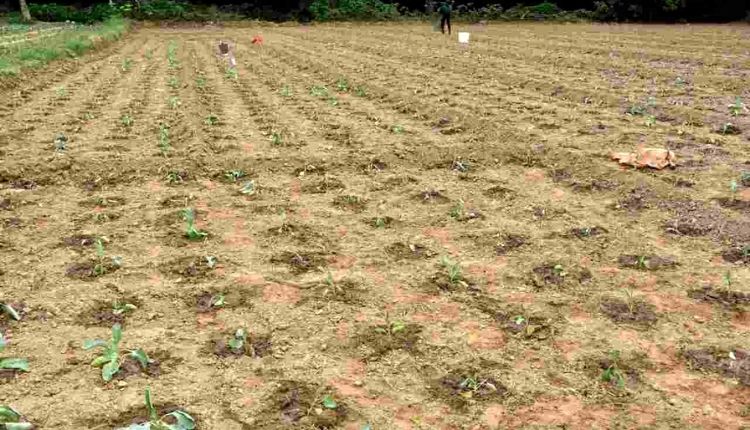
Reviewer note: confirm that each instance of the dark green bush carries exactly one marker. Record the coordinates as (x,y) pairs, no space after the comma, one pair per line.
(53,12)
(163,10)
(370,10)
(545,8)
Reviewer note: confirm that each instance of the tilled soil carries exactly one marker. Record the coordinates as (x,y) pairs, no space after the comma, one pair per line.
(330,176)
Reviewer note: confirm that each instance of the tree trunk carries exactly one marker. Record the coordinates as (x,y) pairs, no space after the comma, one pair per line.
(25,11)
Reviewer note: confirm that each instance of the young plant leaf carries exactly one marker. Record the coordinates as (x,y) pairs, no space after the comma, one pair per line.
(150,405)
(110,369)
(184,421)
(329,403)
(8,414)
(89,344)
(18,426)
(116,334)
(8,309)
(141,356)
(14,363)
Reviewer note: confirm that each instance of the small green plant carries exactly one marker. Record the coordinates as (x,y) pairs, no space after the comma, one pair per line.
(191,232)
(126,120)
(211,119)
(343,85)
(200,82)
(679,81)
(248,188)
(88,116)
(127,64)
(328,402)
(8,310)
(736,108)
(379,222)
(172,54)
(231,73)
(276,139)
(360,91)
(333,101)
(61,92)
(637,109)
(319,91)
(729,128)
(650,121)
(457,211)
(559,271)
(10,419)
(727,280)
(454,270)
(182,420)
(174,177)
(519,319)
(391,328)
(218,301)
(111,358)
(19,364)
(642,262)
(174,102)
(100,268)
(164,145)
(119,308)
(286,91)
(61,142)
(612,374)
(237,342)
(234,175)
(398,129)
(173,82)
(149,54)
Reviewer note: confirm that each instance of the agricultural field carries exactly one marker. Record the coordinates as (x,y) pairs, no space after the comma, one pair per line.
(372,227)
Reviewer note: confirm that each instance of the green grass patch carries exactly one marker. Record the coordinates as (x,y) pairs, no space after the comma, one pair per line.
(72,43)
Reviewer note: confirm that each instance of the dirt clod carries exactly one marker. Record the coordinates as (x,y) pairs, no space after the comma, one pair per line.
(634,311)
(732,364)
(646,262)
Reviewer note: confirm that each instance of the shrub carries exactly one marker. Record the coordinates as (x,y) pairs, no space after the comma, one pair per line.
(545,8)
(163,10)
(374,10)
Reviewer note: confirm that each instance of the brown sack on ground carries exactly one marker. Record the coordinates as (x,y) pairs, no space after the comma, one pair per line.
(655,158)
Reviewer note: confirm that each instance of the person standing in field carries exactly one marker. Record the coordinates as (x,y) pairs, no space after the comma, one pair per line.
(445,16)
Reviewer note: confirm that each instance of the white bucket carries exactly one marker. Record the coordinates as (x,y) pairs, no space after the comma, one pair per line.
(463,37)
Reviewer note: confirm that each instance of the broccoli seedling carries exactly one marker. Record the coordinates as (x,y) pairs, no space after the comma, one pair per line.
(183,420)
(191,232)
(10,419)
(20,364)
(110,359)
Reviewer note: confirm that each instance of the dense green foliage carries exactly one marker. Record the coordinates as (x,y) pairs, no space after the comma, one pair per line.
(321,10)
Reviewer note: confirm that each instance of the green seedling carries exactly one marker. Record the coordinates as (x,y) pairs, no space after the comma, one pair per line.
(471,385)
(8,310)
(727,280)
(248,188)
(182,420)
(613,374)
(343,85)
(286,91)
(211,119)
(174,102)
(122,308)
(191,232)
(231,73)
(100,268)
(454,270)
(164,145)
(172,54)
(642,262)
(651,101)
(458,210)
(650,121)
(276,139)
(88,116)
(733,188)
(393,328)
(19,364)
(319,91)
(729,128)
(237,343)
(736,108)
(61,92)
(200,82)
(149,54)
(360,91)
(174,177)
(218,301)
(127,64)
(637,110)
(173,82)
(518,320)
(398,129)
(111,358)
(126,120)
(10,419)
(679,81)
(559,270)
(234,175)
(328,402)
(61,142)
(379,222)
(210,261)
(333,101)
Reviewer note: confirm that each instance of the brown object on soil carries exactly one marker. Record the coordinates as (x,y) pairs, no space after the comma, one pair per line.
(725,297)
(638,311)
(647,157)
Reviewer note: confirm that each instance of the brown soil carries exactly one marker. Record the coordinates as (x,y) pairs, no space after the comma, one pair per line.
(518,127)
(646,262)
(736,365)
